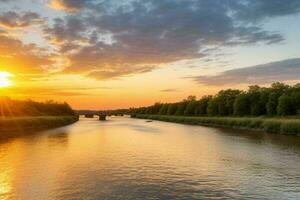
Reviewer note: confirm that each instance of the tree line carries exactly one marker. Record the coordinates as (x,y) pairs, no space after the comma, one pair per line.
(17,108)
(277,100)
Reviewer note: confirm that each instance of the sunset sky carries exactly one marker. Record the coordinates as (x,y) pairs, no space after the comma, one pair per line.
(102,54)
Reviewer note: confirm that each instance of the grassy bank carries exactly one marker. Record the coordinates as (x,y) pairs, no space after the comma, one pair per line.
(14,126)
(271,125)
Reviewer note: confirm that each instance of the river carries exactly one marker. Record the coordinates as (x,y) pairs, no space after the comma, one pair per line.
(124,158)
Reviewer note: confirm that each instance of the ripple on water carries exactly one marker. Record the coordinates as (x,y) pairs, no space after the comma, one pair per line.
(130,159)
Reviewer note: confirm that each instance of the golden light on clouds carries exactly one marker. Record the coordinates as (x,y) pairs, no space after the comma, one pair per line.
(117,54)
(61,5)
(5,79)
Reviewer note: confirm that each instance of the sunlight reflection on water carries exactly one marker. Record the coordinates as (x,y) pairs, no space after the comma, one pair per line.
(125,158)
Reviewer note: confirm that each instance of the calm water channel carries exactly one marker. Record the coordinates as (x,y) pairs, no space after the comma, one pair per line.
(125,158)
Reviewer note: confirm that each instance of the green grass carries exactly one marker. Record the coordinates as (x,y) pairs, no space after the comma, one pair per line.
(271,125)
(22,125)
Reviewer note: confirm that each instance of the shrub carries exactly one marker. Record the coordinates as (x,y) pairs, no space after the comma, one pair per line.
(272,126)
(290,127)
(285,126)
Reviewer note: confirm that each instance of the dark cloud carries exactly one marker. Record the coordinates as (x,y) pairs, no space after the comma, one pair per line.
(112,38)
(110,73)
(69,5)
(13,19)
(253,10)
(169,90)
(5,1)
(260,74)
(66,32)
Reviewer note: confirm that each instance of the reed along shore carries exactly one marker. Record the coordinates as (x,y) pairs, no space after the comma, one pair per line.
(289,126)
(15,126)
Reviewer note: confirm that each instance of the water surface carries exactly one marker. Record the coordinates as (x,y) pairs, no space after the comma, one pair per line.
(125,158)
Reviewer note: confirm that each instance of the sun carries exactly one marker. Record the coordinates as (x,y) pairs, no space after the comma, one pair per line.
(5,79)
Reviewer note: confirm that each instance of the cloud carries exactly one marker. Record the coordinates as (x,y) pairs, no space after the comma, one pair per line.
(5,1)
(254,10)
(17,57)
(42,91)
(169,90)
(69,5)
(66,32)
(124,71)
(259,74)
(14,20)
(107,39)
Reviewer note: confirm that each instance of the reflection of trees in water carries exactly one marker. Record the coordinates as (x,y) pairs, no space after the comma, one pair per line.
(61,138)
(4,140)
(262,137)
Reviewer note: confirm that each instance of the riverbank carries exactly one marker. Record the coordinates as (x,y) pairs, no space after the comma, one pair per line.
(15,126)
(289,126)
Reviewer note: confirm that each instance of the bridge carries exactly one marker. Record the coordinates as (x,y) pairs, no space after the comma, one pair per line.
(90,114)
(101,114)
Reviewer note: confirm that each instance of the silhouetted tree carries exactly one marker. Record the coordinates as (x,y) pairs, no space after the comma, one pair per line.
(225,101)
(163,109)
(272,104)
(181,108)
(285,105)
(201,107)
(212,108)
(13,108)
(242,105)
(172,108)
(279,99)
(295,94)
(190,108)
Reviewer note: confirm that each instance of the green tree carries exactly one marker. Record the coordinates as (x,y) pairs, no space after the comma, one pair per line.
(254,97)
(190,98)
(181,108)
(13,108)
(212,108)
(163,109)
(172,108)
(277,89)
(242,105)
(263,100)
(225,100)
(285,105)
(154,109)
(272,104)
(142,110)
(255,101)
(190,108)
(296,98)
(202,105)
